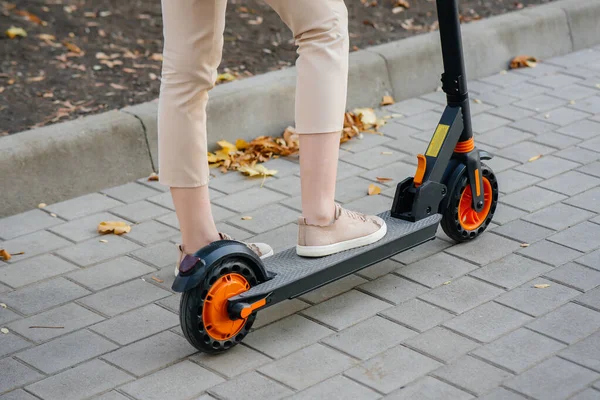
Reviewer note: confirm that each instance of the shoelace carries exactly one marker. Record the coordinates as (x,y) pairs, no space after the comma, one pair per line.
(252,246)
(355,215)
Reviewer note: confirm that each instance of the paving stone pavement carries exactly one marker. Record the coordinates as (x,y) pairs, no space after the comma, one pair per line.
(88,319)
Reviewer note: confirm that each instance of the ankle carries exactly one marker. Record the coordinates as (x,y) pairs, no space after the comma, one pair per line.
(320,219)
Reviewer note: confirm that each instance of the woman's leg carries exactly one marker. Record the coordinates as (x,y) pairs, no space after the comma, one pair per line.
(193,43)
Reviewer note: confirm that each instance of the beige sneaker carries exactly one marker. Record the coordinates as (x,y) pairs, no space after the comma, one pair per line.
(348,230)
(262,250)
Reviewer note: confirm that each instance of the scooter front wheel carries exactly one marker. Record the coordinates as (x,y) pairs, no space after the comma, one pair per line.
(203,310)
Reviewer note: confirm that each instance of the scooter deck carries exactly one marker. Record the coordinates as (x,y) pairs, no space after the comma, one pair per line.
(297,275)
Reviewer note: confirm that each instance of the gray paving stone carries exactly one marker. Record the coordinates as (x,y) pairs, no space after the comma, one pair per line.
(159,255)
(24,223)
(130,192)
(422,251)
(505,79)
(411,107)
(532,198)
(590,105)
(505,213)
(571,183)
(441,344)
(93,251)
(139,211)
(166,348)
(499,164)
(97,375)
(177,382)
(501,394)
(66,351)
(461,295)
(233,182)
(588,394)
(110,273)
(111,396)
(584,129)
(125,297)
(15,374)
(438,96)
(151,232)
(424,121)
(70,316)
(428,388)
(262,388)
(555,81)
(410,146)
(393,289)
(563,116)
(480,87)
(125,328)
(494,98)
(583,237)
(523,231)
(519,350)
(573,92)
(284,167)
(556,140)
(591,169)
(568,323)
(235,361)
(511,271)
(279,311)
(592,144)
(558,216)
(84,228)
(487,322)
(541,70)
(289,185)
(370,204)
(553,379)
(550,253)
(578,155)
(541,103)
(333,289)
(548,166)
(395,368)
(589,200)
(235,233)
(365,142)
(472,374)
(511,180)
(381,268)
(396,171)
(42,296)
(11,343)
(585,352)
(591,260)
(286,336)
(486,122)
(346,170)
(266,218)
(536,301)
(308,366)
(524,151)
(374,157)
(346,309)
(585,56)
(487,248)
(338,387)
(153,184)
(576,276)
(33,270)
(523,90)
(534,126)
(250,199)
(164,200)
(437,269)
(417,314)
(18,395)
(82,206)
(33,244)
(382,334)
(503,137)
(279,239)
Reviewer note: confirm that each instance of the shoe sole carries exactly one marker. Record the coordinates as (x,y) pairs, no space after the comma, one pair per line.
(269,254)
(322,251)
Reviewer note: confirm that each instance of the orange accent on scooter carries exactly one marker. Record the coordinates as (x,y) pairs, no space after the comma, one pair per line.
(465,147)
(216,319)
(245,313)
(469,218)
(421,168)
(477,185)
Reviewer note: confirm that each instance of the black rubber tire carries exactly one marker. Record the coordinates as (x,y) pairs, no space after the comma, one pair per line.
(450,222)
(192,302)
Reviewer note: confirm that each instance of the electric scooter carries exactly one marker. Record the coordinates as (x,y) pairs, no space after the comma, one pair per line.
(225,284)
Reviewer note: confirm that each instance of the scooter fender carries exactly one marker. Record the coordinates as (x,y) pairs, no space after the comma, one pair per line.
(214,254)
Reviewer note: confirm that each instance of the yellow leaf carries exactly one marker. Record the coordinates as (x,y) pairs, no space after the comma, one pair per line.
(535,158)
(222,155)
(72,47)
(374,189)
(541,286)
(523,62)
(246,218)
(153,177)
(4,331)
(383,180)
(447,283)
(226,77)
(157,279)
(387,100)
(257,170)
(13,32)
(45,36)
(227,146)
(116,227)
(212,158)
(5,255)
(156,57)
(366,115)
(241,144)
(41,205)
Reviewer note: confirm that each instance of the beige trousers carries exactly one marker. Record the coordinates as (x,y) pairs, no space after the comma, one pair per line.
(193,33)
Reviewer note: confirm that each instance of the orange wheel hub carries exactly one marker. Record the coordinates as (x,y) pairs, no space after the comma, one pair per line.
(216,319)
(470,219)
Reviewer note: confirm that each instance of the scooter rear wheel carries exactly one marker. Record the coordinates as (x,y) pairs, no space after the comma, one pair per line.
(460,221)
(203,311)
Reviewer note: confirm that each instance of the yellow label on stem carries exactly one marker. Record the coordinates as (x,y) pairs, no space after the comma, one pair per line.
(438,139)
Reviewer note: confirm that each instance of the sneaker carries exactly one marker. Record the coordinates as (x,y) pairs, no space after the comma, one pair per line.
(262,250)
(348,230)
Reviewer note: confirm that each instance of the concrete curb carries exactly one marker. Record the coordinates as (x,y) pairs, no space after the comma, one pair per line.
(61,161)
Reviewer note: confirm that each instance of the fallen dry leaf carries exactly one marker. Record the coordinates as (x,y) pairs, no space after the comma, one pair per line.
(477,101)
(386,153)
(156,57)
(33,18)
(153,177)
(257,21)
(36,78)
(257,170)
(41,205)
(4,331)
(53,215)
(241,144)
(72,47)
(387,100)
(103,241)
(118,87)
(383,180)
(2,305)
(571,102)
(373,189)
(13,32)
(447,283)
(401,3)
(535,158)
(523,62)
(225,77)
(116,227)
(366,115)
(247,218)
(541,286)
(5,255)
(157,279)
(524,244)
